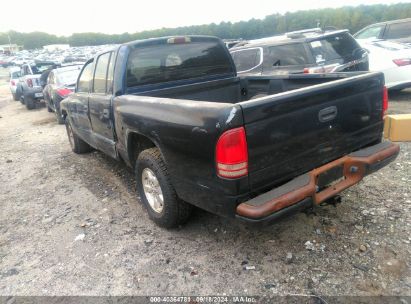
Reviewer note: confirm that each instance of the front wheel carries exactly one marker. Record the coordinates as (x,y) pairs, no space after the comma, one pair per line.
(77,145)
(156,191)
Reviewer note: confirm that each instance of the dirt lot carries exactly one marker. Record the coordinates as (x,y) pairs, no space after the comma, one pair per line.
(73,225)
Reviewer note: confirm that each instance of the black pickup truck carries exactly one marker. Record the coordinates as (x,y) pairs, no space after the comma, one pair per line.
(255,148)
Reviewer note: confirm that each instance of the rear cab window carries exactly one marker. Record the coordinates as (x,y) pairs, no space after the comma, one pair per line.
(40,67)
(171,61)
(247,59)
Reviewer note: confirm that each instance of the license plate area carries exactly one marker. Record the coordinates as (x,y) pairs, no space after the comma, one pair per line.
(37,95)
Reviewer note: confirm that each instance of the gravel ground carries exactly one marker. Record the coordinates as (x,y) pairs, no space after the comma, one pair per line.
(73,225)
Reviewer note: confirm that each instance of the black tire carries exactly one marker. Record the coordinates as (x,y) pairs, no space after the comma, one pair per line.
(78,145)
(174,212)
(50,110)
(30,102)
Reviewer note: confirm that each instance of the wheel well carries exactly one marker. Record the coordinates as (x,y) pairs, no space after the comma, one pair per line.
(136,143)
(64,114)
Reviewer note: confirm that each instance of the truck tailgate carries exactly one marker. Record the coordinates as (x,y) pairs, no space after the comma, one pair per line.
(293,132)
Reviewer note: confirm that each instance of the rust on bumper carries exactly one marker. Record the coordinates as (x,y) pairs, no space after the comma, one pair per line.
(354,167)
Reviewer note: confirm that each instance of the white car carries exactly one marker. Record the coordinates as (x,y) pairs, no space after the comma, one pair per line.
(391,58)
(14,73)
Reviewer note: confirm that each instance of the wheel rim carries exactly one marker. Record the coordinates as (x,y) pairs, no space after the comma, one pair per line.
(152,190)
(70,136)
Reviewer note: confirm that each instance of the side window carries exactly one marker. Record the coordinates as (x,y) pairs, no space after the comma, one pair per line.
(85,77)
(246,59)
(110,74)
(100,75)
(372,32)
(398,30)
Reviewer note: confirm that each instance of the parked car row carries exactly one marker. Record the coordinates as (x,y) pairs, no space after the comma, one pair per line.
(70,55)
(43,82)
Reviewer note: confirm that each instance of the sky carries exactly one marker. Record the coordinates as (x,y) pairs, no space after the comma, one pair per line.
(64,17)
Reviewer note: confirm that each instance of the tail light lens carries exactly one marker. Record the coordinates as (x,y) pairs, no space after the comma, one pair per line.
(402,62)
(231,154)
(63,92)
(384,101)
(13,83)
(29,82)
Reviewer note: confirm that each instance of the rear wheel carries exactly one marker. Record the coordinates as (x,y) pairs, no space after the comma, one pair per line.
(157,193)
(30,102)
(77,145)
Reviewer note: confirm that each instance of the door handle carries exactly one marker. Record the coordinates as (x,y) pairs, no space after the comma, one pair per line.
(327,114)
(106,113)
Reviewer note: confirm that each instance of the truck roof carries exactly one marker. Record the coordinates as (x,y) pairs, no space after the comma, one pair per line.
(166,39)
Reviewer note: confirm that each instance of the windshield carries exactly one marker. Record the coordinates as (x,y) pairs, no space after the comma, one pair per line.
(341,46)
(169,62)
(68,77)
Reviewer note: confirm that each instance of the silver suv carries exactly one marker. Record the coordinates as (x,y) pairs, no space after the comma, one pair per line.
(308,51)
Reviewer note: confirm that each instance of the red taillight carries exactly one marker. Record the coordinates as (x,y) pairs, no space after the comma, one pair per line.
(29,82)
(63,92)
(13,83)
(384,101)
(402,62)
(231,154)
